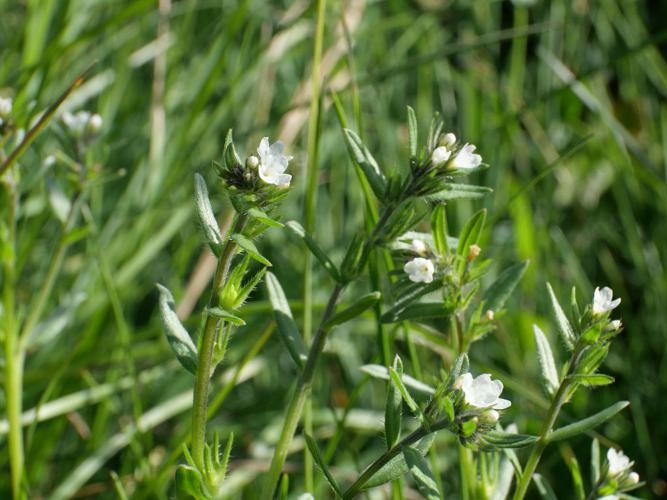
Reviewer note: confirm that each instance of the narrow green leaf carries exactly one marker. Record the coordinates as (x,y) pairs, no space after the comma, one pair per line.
(289,332)
(595,461)
(319,460)
(393,415)
(544,488)
(497,294)
(224,315)
(410,294)
(502,439)
(205,216)
(470,236)
(439,229)
(362,157)
(460,192)
(382,373)
(249,247)
(315,249)
(412,132)
(564,327)
(587,424)
(421,473)
(397,466)
(576,478)
(177,336)
(398,382)
(591,380)
(248,287)
(229,154)
(360,305)
(547,363)
(418,311)
(259,215)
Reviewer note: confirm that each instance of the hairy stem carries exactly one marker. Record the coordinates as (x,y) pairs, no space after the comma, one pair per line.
(202,378)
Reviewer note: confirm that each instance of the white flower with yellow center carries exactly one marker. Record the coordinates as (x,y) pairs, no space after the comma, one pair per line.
(273,163)
(482,392)
(466,158)
(603,301)
(420,270)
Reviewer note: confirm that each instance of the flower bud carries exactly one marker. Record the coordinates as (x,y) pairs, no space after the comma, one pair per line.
(49,161)
(418,247)
(95,123)
(614,325)
(448,140)
(633,478)
(473,252)
(458,383)
(252,162)
(492,416)
(5,106)
(488,315)
(440,155)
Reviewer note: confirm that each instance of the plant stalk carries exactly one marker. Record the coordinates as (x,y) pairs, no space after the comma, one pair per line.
(205,359)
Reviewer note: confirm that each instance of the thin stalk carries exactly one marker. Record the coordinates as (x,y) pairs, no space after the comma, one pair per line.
(552,414)
(309,210)
(202,378)
(13,354)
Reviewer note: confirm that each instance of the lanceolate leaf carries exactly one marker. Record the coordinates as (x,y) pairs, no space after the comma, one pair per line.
(205,216)
(587,423)
(410,294)
(315,249)
(546,359)
(421,473)
(361,305)
(439,229)
(319,460)
(421,310)
(177,335)
(381,372)
(397,466)
(289,332)
(412,132)
(498,293)
(501,439)
(460,191)
(564,327)
(249,247)
(365,160)
(393,409)
(257,214)
(470,236)
(592,380)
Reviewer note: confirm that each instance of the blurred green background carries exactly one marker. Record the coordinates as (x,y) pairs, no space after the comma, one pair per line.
(527,81)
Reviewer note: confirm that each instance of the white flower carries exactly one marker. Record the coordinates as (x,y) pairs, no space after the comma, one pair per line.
(420,270)
(466,158)
(440,155)
(449,140)
(418,247)
(273,163)
(602,301)
(618,462)
(95,123)
(482,392)
(5,106)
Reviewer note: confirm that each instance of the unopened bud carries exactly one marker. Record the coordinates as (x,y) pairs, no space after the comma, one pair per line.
(458,383)
(419,247)
(95,123)
(440,155)
(252,162)
(473,252)
(448,140)
(488,315)
(633,478)
(615,325)
(492,416)
(5,106)
(248,176)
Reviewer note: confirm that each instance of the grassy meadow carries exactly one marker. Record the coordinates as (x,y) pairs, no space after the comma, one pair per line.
(566,101)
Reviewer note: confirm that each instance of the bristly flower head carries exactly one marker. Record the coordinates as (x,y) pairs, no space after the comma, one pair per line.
(602,301)
(420,270)
(273,163)
(482,392)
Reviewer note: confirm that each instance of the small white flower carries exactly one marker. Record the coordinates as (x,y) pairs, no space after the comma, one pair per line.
(273,163)
(440,155)
(482,392)
(602,301)
(5,106)
(466,158)
(418,247)
(618,462)
(420,270)
(633,478)
(49,161)
(449,140)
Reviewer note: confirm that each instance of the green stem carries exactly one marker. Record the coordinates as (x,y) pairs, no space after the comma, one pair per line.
(536,453)
(204,362)
(13,355)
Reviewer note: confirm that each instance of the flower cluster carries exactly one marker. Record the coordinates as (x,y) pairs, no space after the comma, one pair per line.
(261,180)
(618,478)
(82,124)
(462,158)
